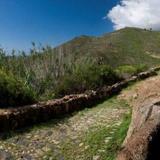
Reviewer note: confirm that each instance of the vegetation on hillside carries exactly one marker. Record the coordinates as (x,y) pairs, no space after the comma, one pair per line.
(83,63)
(13,92)
(50,78)
(86,76)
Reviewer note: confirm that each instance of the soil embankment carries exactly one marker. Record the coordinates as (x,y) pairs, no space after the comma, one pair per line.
(143,139)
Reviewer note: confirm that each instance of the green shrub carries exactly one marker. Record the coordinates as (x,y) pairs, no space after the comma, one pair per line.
(126,71)
(13,92)
(141,68)
(86,77)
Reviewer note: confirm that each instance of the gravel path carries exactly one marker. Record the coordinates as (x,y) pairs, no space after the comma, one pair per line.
(34,143)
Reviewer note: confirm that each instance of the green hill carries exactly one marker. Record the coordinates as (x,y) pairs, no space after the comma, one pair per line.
(125,46)
(85,62)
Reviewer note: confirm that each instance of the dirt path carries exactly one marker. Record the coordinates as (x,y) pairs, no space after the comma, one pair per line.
(141,96)
(75,137)
(143,92)
(142,139)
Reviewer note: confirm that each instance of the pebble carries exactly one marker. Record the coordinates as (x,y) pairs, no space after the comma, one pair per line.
(96,157)
(49,133)
(5,155)
(86,147)
(26,157)
(45,157)
(46,149)
(101,150)
(107,139)
(28,136)
(55,142)
(39,152)
(81,144)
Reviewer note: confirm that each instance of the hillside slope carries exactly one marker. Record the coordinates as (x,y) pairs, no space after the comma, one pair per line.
(142,141)
(125,46)
(85,62)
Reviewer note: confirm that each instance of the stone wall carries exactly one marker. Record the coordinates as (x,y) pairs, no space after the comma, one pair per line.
(14,118)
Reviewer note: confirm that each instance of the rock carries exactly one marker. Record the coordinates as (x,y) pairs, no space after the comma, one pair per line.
(49,133)
(46,149)
(27,157)
(45,157)
(5,155)
(39,152)
(86,147)
(81,144)
(96,157)
(135,96)
(101,150)
(107,139)
(21,141)
(11,119)
(55,142)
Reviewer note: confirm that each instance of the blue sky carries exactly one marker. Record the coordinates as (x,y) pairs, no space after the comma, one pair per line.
(51,21)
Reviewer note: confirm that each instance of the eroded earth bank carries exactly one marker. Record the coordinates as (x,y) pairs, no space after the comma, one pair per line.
(143,139)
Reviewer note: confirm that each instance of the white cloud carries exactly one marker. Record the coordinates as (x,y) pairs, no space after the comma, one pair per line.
(136,13)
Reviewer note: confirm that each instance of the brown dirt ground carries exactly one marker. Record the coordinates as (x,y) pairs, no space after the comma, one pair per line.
(143,92)
(141,97)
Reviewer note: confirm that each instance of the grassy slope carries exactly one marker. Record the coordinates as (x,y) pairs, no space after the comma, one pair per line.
(44,69)
(126,46)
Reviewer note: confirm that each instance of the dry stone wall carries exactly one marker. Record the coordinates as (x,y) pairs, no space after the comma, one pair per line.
(14,118)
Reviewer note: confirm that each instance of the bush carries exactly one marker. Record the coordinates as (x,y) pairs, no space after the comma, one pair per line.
(141,68)
(86,77)
(13,92)
(126,71)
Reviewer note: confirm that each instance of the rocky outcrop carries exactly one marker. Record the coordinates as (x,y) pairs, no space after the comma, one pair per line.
(28,115)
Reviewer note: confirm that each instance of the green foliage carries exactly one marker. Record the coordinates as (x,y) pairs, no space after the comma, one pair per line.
(141,68)
(118,137)
(82,63)
(86,77)
(128,70)
(13,92)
